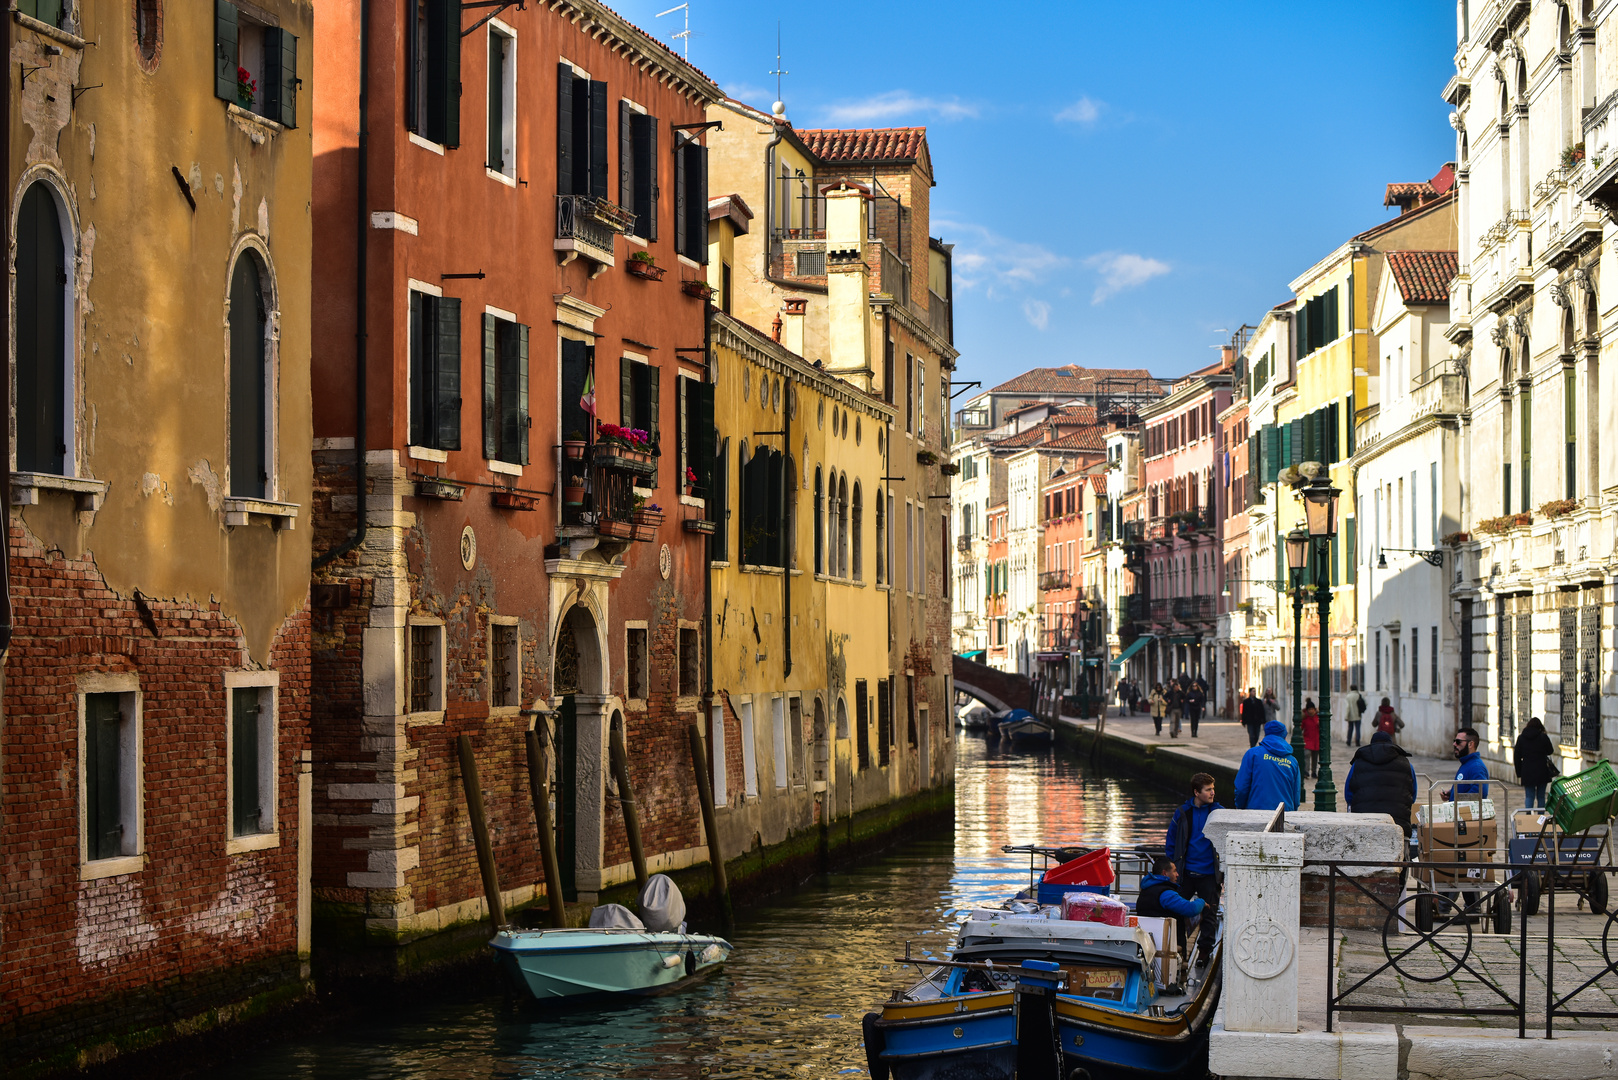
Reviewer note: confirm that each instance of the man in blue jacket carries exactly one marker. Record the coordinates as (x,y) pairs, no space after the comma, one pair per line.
(1269,775)
(1196,863)
(1472,767)
(1160,898)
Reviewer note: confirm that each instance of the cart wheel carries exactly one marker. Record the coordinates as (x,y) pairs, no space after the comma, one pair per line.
(1502,912)
(1530,894)
(1424,913)
(1597,891)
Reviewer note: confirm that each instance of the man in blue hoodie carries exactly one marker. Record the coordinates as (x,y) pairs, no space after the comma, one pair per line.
(1160,898)
(1472,766)
(1195,861)
(1269,775)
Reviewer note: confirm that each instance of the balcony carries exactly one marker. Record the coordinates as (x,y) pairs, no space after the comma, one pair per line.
(586,226)
(1159,611)
(1194,609)
(1053,579)
(938,316)
(895,280)
(1596,179)
(963,544)
(1436,392)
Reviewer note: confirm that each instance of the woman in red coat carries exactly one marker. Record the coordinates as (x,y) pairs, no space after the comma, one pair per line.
(1311,736)
(1386,719)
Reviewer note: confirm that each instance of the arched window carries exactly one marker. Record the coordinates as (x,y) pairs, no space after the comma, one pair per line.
(881,541)
(832,569)
(859,558)
(249,382)
(842,526)
(789,508)
(820,525)
(741,502)
(44,412)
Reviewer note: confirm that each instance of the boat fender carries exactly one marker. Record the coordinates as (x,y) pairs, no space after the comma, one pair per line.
(875,1043)
(673,961)
(712,954)
(1079,1074)
(690,962)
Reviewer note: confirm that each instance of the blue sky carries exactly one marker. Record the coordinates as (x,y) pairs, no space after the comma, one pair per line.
(1124,183)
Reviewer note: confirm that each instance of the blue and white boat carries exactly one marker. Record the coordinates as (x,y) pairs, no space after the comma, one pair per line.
(1024,728)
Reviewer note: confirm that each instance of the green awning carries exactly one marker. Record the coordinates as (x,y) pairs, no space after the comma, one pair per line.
(975,654)
(1134,647)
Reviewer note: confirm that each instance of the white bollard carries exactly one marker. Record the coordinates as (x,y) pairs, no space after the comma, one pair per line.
(1262,889)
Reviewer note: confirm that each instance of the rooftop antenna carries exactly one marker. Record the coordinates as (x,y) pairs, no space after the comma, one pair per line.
(683,35)
(779,71)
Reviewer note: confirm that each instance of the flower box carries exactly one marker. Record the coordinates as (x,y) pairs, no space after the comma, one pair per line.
(622,530)
(511,500)
(642,269)
(645,533)
(950,468)
(574,449)
(1559,507)
(624,460)
(699,525)
(654,518)
(572,496)
(610,213)
(697,287)
(440,489)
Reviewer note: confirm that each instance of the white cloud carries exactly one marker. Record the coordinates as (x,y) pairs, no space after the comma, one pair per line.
(756,96)
(1083,112)
(1037,312)
(898,103)
(1122,270)
(985,258)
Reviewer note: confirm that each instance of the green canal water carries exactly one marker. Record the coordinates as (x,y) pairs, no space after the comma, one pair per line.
(807,964)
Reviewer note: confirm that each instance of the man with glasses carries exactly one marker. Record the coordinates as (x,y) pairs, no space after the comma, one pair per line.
(1472,767)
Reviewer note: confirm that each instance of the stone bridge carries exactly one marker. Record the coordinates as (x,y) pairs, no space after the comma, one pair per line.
(999,690)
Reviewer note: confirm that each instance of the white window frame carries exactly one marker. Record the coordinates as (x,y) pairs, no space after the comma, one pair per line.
(270,294)
(513,665)
(269,748)
(921,398)
(508,124)
(132,784)
(683,379)
(683,626)
(434,713)
(421,453)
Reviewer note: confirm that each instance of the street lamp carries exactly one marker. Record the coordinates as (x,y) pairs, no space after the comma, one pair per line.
(1297,560)
(1320,510)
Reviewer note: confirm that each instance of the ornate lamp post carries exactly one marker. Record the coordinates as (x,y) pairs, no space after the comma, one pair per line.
(1297,561)
(1320,511)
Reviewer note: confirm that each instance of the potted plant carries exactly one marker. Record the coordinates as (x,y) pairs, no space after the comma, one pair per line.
(246,88)
(631,444)
(1456,539)
(1559,507)
(699,525)
(1573,154)
(698,288)
(690,480)
(573,491)
(648,518)
(575,445)
(622,530)
(643,264)
(926,457)
(950,468)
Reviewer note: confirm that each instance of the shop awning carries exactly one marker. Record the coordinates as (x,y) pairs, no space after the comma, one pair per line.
(975,654)
(1052,657)
(1134,647)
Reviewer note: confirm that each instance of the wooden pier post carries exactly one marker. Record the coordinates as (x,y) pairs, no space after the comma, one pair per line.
(626,799)
(540,789)
(710,825)
(480,832)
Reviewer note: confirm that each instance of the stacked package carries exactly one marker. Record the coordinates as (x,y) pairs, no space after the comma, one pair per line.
(1094,907)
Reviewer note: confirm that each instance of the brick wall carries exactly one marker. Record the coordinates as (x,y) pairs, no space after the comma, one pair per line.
(1355,909)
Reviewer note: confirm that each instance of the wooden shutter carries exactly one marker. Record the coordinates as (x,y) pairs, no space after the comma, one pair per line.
(447,373)
(1333,442)
(517,432)
(1272,453)
(1351,563)
(104,830)
(281,76)
(649,228)
(1295,433)
(598,139)
(681,194)
(444,71)
(491,387)
(496,98)
(775,507)
(224,50)
(647,402)
(565,150)
(703,436)
(420,372)
(696,203)
(646,164)
(626,160)
(626,391)
(244,719)
(1301,331)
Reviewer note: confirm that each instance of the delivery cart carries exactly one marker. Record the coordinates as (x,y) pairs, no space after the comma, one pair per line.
(1568,839)
(1460,839)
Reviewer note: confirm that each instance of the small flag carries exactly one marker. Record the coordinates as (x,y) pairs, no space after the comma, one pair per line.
(588,401)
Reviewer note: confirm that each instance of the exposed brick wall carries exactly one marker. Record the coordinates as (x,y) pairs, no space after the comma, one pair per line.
(1355,910)
(85,960)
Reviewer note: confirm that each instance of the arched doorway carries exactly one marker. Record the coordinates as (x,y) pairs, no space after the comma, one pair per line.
(577,735)
(42,283)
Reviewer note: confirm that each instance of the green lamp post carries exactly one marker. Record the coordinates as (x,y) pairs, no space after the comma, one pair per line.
(1320,512)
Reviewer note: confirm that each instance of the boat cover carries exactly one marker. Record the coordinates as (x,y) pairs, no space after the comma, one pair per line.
(661,905)
(1003,927)
(614,917)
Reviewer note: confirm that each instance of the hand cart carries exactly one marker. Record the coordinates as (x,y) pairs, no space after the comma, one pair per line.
(1459,831)
(1572,834)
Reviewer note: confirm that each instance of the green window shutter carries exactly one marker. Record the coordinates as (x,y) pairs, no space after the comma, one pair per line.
(651,412)
(703,431)
(447,374)
(245,810)
(775,507)
(420,372)
(1334,556)
(681,245)
(565,151)
(102,766)
(1332,435)
(224,49)
(626,391)
(651,170)
(444,71)
(646,159)
(598,139)
(1351,566)
(1295,433)
(697,203)
(517,434)
(1300,329)
(1307,426)
(626,160)
(491,387)
(281,76)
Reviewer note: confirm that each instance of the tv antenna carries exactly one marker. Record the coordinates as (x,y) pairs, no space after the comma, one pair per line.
(779,71)
(683,35)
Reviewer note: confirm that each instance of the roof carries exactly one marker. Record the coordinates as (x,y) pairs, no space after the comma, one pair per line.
(1071,378)
(1098,484)
(865,144)
(1429,207)
(1400,194)
(1423,277)
(1090,437)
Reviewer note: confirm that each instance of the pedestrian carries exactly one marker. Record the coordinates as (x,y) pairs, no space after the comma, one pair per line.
(1194,856)
(1311,737)
(1160,897)
(1269,776)
(1196,700)
(1176,701)
(1134,696)
(1123,695)
(1381,780)
(1356,716)
(1535,759)
(1253,716)
(1471,768)
(1387,719)
(1159,703)
(1272,711)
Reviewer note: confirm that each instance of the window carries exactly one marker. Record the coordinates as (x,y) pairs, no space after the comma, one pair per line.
(690,662)
(910,707)
(251,748)
(884,723)
(921,399)
(426,667)
(639,387)
(910,392)
(250,454)
(502,114)
(943,542)
(921,549)
(885,521)
(862,718)
(749,751)
(820,524)
(111,815)
(696,436)
(148,30)
(1415,660)
(1433,682)
(910,555)
(778,727)
(581,134)
(435,371)
(887,370)
(43,375)
(719,501)
(1570,427)
(1377,645)
(765,483)
(719,750)
(795,735)
(505,389)
(505,663)
(637,169)
(635,663)
(856,515)
(256,66)
(46,11)
(690,198)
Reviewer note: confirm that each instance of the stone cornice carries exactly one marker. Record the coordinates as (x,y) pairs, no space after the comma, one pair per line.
(626,39)
(916,326)
(757,349)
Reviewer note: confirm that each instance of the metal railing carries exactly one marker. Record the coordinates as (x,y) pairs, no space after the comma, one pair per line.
(576,220)
(1053,579)
(895,277)
(938,315)
(1189,609)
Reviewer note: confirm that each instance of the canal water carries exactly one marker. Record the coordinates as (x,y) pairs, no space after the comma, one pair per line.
(807,964)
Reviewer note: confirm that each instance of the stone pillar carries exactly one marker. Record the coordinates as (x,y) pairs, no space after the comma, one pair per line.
(1261,931)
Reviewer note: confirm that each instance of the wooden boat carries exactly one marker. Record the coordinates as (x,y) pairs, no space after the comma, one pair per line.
(1028,730)
(572,963)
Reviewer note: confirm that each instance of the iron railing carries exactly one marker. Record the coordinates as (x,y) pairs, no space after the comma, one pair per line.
(576,220)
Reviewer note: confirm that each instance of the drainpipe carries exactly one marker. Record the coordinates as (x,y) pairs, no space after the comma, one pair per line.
(787,495)
(707,577)
(769,196)
(362,239)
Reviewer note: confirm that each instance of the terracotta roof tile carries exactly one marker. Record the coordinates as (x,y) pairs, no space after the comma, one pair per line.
(865,144)
(1072,378)
(1098,484)
(1091,437)
(1423,277)
(1399,194)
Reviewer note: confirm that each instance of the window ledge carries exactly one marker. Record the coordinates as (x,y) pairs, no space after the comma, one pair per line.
(427,144)
(278,515)
(236,845)
(424,719)
(427,453)
(773,571)
(55,33)
(260,129)
(26,486)
(496,711)
(634,704)
(720,564)
(505,467)
(688,500)
(104,868)
(496,174)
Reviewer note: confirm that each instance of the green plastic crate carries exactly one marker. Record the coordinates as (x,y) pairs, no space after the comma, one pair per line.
(1583,799)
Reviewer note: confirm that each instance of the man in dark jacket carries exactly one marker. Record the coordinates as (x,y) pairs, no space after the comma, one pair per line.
(1381,780)
(1193,853)
(1160,897)
(1196,698)
(1253,716)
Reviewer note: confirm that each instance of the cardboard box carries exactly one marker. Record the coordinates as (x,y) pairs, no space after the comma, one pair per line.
(1165,935)
(1458,842)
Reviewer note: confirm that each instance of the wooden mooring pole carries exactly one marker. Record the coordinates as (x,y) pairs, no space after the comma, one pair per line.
(626,799)
(540,788)
(480,832)
(710,825)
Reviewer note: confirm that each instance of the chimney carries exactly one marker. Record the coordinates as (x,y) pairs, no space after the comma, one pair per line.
(1227,357)
(791,322)
(848,285)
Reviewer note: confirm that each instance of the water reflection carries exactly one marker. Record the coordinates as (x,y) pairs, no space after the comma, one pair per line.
(806,965)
